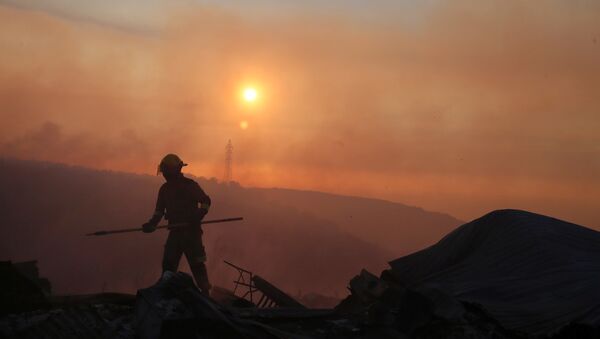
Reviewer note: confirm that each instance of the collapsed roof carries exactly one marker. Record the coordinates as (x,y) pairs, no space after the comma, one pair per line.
(533,273)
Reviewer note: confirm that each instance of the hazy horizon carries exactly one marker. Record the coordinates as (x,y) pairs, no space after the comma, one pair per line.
(458,107)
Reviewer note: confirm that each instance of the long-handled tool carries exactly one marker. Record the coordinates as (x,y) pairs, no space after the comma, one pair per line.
(172,226)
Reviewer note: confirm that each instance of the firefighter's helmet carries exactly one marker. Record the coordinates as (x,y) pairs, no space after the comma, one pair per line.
(170,163)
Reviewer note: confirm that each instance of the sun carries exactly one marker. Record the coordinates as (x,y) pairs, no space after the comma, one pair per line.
(250,94)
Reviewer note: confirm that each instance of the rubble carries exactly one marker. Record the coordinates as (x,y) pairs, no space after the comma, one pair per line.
(534,274)
(175,308)
(378,307)
(271,296)
(82,321)
(21,288)
(389,308)
(417,298)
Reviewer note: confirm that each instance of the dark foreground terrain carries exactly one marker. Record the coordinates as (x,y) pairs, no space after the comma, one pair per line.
(509,274)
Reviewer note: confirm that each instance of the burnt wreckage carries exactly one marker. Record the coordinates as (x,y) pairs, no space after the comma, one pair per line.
(174,308)
(434,293)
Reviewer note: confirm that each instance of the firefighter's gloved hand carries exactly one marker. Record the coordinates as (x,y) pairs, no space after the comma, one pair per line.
(199,215)
(149,227)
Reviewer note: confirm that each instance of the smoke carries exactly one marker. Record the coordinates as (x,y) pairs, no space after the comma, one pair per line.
(471,106)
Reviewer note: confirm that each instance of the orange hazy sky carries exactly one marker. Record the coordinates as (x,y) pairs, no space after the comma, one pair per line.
(459,106)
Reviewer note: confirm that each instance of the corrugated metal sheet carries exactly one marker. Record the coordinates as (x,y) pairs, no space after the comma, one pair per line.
(532,273)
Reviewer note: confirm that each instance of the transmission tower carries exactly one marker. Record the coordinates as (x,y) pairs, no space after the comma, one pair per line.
(228,162)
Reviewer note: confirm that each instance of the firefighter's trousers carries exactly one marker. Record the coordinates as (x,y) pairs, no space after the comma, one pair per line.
(188,242)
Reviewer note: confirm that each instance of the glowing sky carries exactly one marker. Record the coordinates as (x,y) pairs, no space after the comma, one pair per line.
(461,107)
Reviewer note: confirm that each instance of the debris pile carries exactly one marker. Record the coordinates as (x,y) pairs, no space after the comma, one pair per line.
(104,320)
(174,308)
(508,260)
(378,307)
(270,296)
(30,311)
(533,273)
(384,307)
(21,288)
